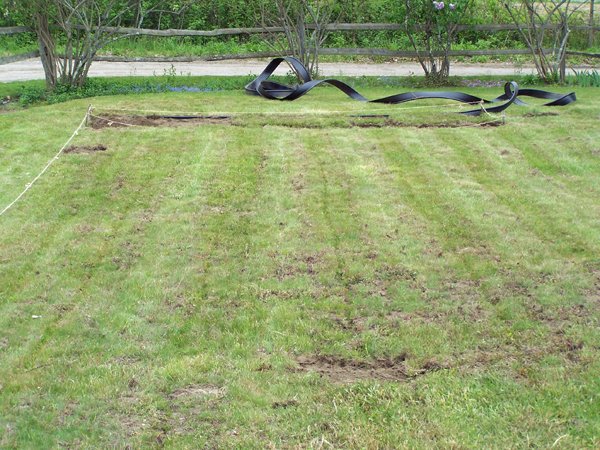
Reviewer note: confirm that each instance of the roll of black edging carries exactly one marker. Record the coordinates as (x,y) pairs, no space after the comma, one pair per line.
(276,91)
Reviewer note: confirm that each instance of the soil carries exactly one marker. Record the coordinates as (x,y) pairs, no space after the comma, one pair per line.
(120,121)
(340,370)
(354,324)
(301,265)
(67,413)
(593,294)
(124,121)
(86,148)
(284,404)
(186,404)
(540,114)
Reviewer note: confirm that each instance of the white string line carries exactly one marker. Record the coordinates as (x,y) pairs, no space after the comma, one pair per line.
(29,185)
(502,119)
(485,110)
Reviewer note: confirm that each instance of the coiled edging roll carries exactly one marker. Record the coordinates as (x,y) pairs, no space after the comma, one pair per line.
(277,91)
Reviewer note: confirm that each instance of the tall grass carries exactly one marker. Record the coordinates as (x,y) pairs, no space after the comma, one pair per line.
(585,78)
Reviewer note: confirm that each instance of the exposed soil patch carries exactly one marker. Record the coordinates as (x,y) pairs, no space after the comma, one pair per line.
(62,308)
(119,183)
(561,318)
(304,264)
(180,303)
(340,370)
(420,316)
(133,425)
(556,343)
(123,121)
(187,404)
(86,148)
(432,366)
(67,413)
(396,273)
(461,290)
(354,325)
(120,121)
(128,255)
(593,294)
(540,114)
(284,404)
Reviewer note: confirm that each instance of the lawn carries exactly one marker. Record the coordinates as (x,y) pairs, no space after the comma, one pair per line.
(296,277)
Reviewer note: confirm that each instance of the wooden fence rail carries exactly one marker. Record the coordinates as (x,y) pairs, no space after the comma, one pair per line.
(272,54)
(20,57)
(13,30)
(330,52)
(323,51)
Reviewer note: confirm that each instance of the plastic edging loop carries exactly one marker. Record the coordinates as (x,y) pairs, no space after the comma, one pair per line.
(277,91)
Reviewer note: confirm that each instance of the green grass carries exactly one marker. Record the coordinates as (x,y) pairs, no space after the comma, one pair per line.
(183,276)
(17,44)
(27,93)
(184,46)
(149,46)
(34,92)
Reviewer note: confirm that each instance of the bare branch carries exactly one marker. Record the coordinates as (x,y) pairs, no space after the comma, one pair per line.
(539,23)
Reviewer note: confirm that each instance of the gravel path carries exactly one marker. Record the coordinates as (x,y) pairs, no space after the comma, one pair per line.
(31,69)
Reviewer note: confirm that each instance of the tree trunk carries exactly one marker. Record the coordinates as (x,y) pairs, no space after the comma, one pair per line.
(47,49)
(301,33)
(591,24)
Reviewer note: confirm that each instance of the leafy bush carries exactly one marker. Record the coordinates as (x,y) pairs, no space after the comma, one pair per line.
(432,30)
(29,95)
(532,80)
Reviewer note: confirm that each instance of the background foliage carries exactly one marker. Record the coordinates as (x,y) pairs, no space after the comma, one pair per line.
(213,14)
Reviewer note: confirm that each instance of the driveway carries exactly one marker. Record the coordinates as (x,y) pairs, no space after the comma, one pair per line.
(31,69)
